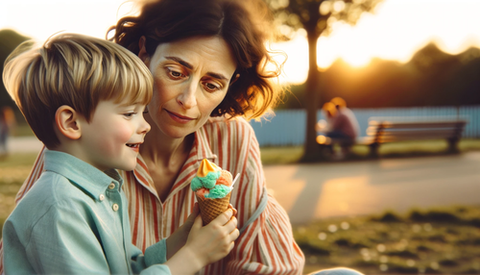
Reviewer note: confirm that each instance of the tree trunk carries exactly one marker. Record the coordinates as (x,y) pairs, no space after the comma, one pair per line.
(311,147)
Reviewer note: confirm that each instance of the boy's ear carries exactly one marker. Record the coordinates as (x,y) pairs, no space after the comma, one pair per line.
(142,54)
(66,119)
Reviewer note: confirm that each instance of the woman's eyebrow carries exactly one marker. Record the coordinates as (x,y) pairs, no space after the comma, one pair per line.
(190,67)
(181,61)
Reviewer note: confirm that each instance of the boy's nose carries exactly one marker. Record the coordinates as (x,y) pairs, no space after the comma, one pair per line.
(144,127)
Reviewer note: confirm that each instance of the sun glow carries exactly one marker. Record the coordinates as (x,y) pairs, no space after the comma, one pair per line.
(395,31)
(399,28)
(296,65)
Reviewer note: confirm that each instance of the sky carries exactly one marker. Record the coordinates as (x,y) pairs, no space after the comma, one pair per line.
(395,31)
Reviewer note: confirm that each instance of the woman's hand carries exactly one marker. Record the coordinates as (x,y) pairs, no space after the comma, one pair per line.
(206,244)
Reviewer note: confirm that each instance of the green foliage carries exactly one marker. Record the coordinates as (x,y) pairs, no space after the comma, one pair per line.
(443,80)
(14,169)
(9,40)
(285,155)
(388,216)
(281,155)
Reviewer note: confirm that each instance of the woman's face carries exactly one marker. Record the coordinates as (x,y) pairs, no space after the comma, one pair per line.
(192,77)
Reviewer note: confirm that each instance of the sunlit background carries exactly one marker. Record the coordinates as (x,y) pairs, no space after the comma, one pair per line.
(395,31)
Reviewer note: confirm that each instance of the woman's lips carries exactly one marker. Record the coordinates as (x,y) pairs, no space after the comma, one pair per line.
(179,118)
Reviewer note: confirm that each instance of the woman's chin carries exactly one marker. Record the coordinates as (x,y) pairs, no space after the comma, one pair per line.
(175,132)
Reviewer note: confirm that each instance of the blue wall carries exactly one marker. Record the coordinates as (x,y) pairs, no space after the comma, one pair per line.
(287,127)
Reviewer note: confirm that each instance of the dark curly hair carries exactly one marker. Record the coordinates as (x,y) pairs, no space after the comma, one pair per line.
(244,25)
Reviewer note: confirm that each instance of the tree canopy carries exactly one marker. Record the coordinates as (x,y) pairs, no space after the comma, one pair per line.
(431,78)
(9,40)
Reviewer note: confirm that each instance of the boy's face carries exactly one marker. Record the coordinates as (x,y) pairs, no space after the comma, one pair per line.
(113,136)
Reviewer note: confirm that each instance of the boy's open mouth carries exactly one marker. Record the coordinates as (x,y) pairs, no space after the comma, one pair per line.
(136,145)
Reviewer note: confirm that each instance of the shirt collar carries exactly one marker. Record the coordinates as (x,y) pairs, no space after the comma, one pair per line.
(83,175)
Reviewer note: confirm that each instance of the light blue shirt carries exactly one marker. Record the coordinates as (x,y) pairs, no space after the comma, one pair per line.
(75,220)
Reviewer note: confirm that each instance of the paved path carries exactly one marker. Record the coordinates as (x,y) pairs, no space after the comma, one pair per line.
(313,191)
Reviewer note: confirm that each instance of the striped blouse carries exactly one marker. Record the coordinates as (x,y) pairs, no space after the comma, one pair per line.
(266,246)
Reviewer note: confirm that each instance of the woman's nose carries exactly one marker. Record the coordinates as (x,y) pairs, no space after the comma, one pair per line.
(188,96)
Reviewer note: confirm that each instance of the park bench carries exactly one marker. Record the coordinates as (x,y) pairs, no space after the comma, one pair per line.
(385,130)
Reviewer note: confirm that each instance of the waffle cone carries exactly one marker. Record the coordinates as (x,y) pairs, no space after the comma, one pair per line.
(211,208)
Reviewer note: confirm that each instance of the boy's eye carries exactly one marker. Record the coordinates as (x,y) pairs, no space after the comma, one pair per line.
(129,114)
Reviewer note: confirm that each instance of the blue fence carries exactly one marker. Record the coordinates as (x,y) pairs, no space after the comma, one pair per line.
(288,127)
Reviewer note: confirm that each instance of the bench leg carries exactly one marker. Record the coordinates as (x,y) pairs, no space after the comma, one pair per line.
(374,150)
(453,145)
(346,149)
(326,151)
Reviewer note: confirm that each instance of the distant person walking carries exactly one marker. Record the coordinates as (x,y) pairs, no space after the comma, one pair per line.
(7,123)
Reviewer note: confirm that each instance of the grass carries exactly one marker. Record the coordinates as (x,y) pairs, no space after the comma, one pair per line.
(14,169)
(433,241)
(288,155)
(22,130)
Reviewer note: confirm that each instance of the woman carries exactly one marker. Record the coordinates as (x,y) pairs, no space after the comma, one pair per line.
(208,60)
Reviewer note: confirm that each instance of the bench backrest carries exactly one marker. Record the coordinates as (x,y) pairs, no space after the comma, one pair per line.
(388,131)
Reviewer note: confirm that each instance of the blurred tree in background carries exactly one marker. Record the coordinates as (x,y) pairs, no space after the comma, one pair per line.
(315,17)
(9,40)
(431,78)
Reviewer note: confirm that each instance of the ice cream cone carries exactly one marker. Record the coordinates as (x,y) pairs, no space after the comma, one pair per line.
(211,208)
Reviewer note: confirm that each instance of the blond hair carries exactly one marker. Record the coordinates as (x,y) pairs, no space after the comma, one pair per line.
(74,70)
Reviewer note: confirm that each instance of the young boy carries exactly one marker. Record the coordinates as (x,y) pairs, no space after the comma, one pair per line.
(84,98)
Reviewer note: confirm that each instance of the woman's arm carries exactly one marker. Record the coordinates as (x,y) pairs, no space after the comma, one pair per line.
(267,245)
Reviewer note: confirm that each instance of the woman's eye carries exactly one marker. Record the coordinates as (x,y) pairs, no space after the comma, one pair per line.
(175,74)
(129,114)
(211,87)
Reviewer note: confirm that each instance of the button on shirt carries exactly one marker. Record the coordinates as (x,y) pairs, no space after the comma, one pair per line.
(73,221)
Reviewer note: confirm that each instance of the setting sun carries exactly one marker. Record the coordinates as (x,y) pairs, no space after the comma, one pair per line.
(394,31)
